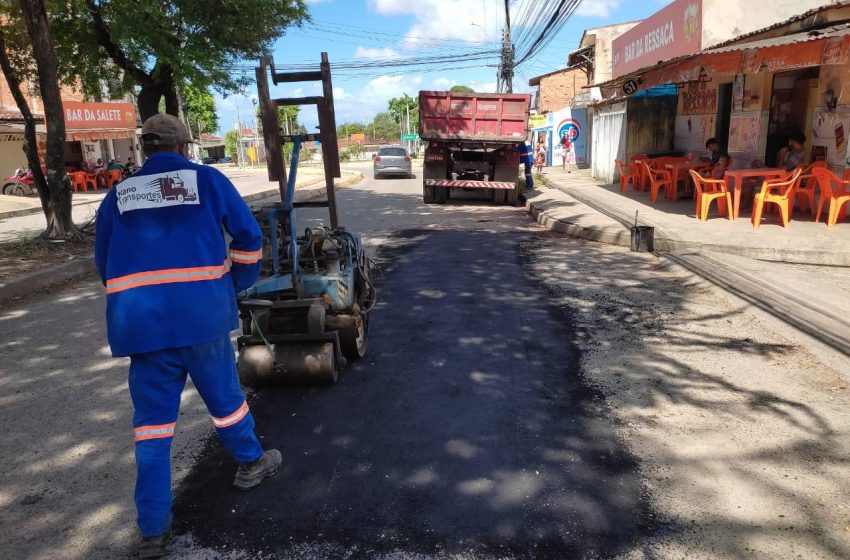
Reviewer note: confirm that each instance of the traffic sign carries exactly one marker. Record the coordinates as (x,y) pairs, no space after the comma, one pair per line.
(409,137)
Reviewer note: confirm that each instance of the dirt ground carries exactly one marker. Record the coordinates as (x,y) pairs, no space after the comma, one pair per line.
(743,436)
(17,258)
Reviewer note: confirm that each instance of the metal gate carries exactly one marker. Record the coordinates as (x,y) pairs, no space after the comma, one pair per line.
(608,141)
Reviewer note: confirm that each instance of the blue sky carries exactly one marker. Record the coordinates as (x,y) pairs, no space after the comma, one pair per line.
(375,30)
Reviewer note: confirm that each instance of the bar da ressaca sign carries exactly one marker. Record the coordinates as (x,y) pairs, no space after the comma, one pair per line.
(674,31)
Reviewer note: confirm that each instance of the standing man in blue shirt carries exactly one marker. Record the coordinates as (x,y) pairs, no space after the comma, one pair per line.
(526,157)
(171,282)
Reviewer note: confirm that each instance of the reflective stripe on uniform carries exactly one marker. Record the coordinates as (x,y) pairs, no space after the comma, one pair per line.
(166,276)
(159,431)
(246,257)
(232,419)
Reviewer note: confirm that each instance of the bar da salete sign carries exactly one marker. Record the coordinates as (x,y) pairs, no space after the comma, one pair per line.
(81,115)
(673,31)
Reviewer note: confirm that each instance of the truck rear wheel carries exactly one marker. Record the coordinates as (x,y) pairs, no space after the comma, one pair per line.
(511,197)
(428,194)
(499,196)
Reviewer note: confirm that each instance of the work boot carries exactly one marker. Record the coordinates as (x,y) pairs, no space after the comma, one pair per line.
(249,475)
(154,547)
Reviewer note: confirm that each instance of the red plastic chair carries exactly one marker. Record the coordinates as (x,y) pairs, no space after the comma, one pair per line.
(113,176)
(657,179)
(837,197)
(628,172)
(806,189)
(78,181)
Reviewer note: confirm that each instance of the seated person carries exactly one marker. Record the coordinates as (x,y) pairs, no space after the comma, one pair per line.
(114,166)
(793,155)
(718,170)
(130,167)
(713,147)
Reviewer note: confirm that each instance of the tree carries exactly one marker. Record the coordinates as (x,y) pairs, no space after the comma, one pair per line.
(399,106)
(54,189)
(288,117)
(231,144)
(200,110)
(347,129)
(157,46)
(385,127)
(461,89)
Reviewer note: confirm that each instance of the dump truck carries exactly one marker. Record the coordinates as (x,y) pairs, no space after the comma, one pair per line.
(472,141)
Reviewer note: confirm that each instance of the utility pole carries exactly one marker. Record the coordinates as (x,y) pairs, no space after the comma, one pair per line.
(239,148)
(506,66)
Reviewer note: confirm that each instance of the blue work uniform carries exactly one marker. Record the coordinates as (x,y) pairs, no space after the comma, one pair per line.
(171,282)
(527,159)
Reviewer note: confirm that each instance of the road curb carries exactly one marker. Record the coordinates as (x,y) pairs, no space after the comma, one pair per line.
(27,284)
(46,278)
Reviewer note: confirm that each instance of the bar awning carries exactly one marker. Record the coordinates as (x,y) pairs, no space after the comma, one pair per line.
(830,45)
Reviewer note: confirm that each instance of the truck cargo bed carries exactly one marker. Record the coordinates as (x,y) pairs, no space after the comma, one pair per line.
(482,117)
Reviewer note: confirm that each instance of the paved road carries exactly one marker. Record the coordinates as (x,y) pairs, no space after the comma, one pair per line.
(467,429)
(470,431)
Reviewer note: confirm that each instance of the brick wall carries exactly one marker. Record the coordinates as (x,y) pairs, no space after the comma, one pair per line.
(557,90)
(7,102)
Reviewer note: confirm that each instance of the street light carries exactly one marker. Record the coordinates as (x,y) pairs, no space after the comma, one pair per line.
(254,102)
(486,37)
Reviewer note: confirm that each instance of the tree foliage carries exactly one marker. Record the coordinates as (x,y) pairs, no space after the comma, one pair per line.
(200,110)
(157,46)
(461,89)
(231,140)
(385,127)
(398,107)
(347,129)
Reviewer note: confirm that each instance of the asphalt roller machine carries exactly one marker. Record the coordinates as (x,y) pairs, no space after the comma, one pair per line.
(309,311)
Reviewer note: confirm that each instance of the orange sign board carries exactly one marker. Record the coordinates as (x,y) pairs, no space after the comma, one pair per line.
(81,115)
(674,31)
(358,137)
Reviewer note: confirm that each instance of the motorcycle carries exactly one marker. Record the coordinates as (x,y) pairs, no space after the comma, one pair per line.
(20,183)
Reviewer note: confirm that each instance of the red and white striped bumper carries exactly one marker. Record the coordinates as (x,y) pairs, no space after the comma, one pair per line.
(469,184)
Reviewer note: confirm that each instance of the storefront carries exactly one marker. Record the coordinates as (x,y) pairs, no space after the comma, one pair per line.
(751,96)
(550,127)
(100,131)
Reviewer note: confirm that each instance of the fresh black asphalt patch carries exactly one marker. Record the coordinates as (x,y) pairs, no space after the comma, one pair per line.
(467,429)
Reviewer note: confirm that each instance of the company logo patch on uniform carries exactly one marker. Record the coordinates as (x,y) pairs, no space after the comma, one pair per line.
(172,188)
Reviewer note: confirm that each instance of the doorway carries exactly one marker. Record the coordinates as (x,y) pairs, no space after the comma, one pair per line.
(792,105)
(724,115)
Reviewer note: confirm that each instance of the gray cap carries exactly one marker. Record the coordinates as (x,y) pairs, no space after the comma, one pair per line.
(165,130)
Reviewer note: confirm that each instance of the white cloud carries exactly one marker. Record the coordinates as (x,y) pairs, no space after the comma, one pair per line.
(446,19)
(340,94)
(486,87)
(443,83)
(369,52)
(597,8)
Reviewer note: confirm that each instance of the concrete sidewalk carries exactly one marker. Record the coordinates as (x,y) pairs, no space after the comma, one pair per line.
(803,242)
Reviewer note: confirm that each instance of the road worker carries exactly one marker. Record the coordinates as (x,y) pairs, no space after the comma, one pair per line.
(527,159)
(171,282)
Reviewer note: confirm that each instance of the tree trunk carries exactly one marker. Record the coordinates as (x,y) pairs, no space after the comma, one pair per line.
(148,100)
(60,223)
